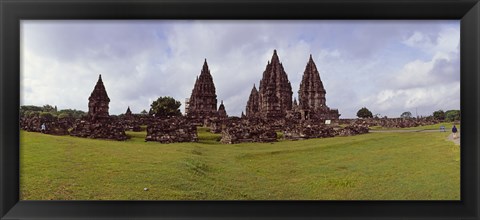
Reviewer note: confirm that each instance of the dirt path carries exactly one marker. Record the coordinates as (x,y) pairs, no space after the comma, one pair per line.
(456,140)
(450,136)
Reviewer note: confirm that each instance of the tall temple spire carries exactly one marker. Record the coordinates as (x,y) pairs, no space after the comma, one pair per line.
(205,65)
(275,58)
(311,94)
(203,100)
(275,90)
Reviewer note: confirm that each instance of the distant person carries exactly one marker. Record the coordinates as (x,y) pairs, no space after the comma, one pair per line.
(454,131)
(442,128)
(43,128)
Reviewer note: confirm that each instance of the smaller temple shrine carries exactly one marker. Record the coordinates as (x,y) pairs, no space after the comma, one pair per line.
(222,113)
(128,112)
(98,100)
(252,104)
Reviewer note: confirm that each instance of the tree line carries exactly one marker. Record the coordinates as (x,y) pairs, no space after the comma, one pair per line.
(48,111)
(162,107)
(450,115)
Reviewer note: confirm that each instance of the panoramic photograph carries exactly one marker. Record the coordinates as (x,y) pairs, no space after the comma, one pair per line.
(240,110)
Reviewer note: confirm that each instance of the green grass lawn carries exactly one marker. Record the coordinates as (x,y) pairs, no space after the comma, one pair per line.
(375,166)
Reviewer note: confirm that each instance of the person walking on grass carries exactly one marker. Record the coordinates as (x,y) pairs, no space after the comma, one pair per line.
(454,131)
(43,128)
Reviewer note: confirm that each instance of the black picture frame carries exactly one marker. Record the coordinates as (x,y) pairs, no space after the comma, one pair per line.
(12,11)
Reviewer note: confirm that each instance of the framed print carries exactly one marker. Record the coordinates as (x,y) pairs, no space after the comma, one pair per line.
(238,109)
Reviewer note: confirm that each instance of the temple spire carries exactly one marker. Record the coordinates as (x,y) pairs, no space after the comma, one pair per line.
(275,58)
(311,94)
(275,91)
(203,100)
(98,100)
(128,112)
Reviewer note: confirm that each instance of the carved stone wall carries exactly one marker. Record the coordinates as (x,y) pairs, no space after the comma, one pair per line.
(240,131)
(54,126)
(307,130)
(99,128)
(392,122)
(171,131)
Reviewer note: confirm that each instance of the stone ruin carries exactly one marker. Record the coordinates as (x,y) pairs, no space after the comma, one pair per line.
(171,130)
(307,129)
(130,121)
(98,128)
(216,125)
(392,122)
(54,125)
(256,129)
(250,130)
(98,123)
(351,130)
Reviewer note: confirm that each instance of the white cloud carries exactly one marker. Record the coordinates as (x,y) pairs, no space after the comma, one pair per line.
(426,84)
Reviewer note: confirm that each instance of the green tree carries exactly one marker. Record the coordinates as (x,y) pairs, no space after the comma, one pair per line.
(439,115)
(406,115)
(63,115)
(452,115)
(165,107)
(25,110)
(48,108)
(364,113)
(72,113)
(144,112)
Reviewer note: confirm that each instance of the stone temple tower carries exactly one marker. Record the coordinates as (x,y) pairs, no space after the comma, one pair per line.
(311,95)
(275,90)
(252,104)
(98,100)
(203,101)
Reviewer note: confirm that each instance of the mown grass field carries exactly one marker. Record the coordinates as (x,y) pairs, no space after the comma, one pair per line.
(374,166)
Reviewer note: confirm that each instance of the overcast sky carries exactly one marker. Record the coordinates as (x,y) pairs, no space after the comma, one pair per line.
(387,66)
